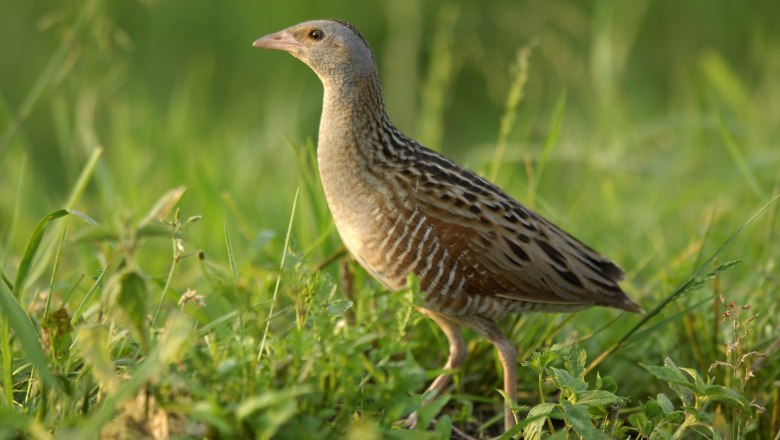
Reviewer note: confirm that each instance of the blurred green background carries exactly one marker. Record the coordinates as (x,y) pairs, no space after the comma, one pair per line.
(176,95)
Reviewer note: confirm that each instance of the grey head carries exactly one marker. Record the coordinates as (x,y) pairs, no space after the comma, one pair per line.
(335,50)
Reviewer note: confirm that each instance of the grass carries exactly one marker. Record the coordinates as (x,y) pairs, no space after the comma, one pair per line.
(169,267)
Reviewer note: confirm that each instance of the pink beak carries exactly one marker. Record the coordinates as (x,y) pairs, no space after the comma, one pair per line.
(282,40)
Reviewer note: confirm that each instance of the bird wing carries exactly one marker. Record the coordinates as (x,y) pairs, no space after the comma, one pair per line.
(505,249)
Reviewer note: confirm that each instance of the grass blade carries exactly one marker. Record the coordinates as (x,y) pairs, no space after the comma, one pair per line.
(32,247)
(49,245)
(231,257)
(19,322)
(90,293)
(279,277)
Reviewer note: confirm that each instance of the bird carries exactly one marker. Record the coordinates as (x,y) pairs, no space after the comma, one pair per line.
(401,208)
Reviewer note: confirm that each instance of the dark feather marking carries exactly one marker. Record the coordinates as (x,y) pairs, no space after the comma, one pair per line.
(610,287)
(517,250)
(512,260)
(568,276)
(551,252)
(483,184)
(609,269)
(521,212)
(605,268)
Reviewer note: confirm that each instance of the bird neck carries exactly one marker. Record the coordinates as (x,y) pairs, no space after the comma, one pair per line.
(354,100)
(350,152)
(353,116)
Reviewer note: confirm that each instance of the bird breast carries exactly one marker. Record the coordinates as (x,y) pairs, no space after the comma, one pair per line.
(358,200)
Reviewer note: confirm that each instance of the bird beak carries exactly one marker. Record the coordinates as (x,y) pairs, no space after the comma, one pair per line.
(282,40)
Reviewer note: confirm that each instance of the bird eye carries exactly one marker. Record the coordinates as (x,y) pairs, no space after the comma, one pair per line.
(316,35)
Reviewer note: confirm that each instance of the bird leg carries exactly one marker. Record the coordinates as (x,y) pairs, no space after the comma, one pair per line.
(455,360)
(507,354)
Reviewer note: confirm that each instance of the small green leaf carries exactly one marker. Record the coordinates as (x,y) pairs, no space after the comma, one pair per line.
(653,410)
(608,384)
(676,380)
(541,359)
(596,397)
(666,405)
(726,395)
(639,421)
(133,298)
(669,375)
(565,381)
(574,361)
(533,431)
(675,416)
(644,425)
(444,427)
(577,416)
(427,413)
(58,329)
(697,380)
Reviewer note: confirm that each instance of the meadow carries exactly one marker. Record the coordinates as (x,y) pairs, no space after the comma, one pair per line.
(170,268)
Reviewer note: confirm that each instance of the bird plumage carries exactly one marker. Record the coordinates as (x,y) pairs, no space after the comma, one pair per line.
(401,208)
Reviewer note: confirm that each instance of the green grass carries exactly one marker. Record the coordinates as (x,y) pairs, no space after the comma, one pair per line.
(169,267)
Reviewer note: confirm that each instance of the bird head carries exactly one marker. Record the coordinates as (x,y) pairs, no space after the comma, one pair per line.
(335,50)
